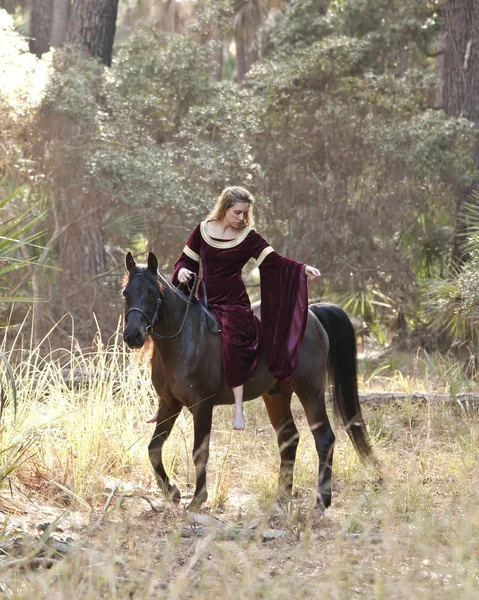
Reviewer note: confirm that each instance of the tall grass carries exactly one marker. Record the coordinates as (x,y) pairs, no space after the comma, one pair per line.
(414,533)
(82,414)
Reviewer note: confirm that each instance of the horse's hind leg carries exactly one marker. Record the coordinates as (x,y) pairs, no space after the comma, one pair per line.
(279,412)
(312,399)
(167,414)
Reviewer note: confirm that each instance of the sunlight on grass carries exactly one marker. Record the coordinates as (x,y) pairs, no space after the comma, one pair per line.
(80,435)
(422,372)
(85,413)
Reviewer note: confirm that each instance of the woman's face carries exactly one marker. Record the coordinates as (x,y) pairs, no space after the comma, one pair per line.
(235,215)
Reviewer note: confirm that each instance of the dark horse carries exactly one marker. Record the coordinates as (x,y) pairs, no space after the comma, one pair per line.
(186,370)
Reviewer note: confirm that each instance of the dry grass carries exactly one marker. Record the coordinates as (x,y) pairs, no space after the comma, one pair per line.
(414,534)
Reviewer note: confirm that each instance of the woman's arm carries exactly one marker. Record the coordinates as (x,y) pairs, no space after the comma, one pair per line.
(262,252)
(189,260)
(284,306)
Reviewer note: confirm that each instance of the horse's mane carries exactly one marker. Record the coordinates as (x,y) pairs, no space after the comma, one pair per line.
(144,270)
(160,280)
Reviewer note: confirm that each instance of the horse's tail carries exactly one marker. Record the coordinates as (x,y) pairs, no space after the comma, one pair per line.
(343,373)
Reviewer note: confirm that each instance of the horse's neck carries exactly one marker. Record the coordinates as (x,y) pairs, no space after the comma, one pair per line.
(173,315)
(173,310)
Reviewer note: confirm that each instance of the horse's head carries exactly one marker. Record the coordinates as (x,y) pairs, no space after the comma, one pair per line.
(143,294)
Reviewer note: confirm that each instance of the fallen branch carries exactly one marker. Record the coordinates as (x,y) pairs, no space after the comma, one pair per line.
(463,399)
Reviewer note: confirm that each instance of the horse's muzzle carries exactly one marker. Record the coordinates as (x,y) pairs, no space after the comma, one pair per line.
(134,339)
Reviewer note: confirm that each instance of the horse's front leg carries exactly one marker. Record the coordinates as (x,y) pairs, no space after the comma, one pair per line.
(202,418)
(166,417)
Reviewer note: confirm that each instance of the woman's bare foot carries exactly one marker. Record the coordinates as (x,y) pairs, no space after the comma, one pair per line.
(238,421)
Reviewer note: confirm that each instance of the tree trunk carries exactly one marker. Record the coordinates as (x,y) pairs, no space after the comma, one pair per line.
(251,57)
(81,253)
(461,59)
(81,258)
(439,47)
(79,207)
(40,27)
(78,210)
(249,14)
(92,26)
(59,22)
(218,74)
(240,54)
(461,86)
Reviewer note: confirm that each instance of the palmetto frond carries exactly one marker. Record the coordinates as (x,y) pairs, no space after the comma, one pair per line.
(18,247)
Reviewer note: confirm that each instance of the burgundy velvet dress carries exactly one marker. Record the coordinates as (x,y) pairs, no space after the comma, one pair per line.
(284,301)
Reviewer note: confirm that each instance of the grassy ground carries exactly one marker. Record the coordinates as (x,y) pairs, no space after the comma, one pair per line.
(76,457)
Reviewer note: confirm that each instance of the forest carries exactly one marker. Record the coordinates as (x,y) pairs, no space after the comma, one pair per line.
(354,123)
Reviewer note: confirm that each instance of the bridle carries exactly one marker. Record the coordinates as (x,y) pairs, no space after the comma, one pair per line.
(154,320)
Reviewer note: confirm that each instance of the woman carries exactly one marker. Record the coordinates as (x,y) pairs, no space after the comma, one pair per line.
(223,244)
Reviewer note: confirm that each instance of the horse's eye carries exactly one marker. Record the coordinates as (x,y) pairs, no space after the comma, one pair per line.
(151,295)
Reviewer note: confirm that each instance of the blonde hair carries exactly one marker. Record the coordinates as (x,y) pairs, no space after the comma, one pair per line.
(230,196)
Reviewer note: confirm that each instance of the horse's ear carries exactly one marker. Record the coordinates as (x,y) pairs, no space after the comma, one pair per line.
(130,263)
(152,262)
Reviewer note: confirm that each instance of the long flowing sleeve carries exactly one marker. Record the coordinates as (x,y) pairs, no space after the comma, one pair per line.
(190,257)
(284,308)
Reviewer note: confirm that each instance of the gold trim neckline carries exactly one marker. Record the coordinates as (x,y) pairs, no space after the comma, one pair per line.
(224,245)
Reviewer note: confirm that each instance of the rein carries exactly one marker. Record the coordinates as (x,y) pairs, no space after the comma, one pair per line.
(154,320)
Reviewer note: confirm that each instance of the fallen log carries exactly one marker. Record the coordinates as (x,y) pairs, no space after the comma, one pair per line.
(463,399)
(79,377)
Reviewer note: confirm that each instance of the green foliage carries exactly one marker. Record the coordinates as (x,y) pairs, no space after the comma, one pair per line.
(335,131)
(360,152)
(302,23)
(160,76)
(214,16)
(21,74)
(442,306)
(215,143)
(16,243)
(396,31)
(451,302)
(72,89)
(468,287)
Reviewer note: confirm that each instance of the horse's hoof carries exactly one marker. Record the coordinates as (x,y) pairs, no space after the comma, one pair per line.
(323,502)
(319,511)
(198,501)
(173,495)
(285,494)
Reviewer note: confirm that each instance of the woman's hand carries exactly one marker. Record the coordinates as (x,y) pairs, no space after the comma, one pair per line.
(184,275)
(312,272)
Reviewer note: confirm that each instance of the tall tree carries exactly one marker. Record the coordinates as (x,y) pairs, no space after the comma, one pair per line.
(40,26)
(92,26)
(64,136)
(461,84)
(79,207)
(248,17)
(59,22)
